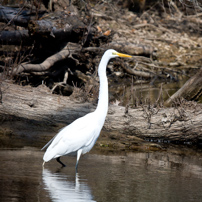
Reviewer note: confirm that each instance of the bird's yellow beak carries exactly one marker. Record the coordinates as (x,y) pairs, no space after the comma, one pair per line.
(123,55)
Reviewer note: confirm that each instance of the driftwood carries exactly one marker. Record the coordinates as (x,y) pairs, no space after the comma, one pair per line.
(191,90)
(38,105)
(48,63)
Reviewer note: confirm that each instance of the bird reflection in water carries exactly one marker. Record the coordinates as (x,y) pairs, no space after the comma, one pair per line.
(62,189)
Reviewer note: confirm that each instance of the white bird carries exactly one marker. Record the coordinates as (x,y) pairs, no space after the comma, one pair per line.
(80,136)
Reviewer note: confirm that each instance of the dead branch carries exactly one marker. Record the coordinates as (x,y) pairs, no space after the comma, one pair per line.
(133,71)
(49,62)
(191,90)
(84,77)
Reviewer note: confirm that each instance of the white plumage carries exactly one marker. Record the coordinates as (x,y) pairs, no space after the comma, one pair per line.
(80,136)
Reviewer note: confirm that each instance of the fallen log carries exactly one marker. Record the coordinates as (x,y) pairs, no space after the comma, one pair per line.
(37,106)
(15,38)
(18,16)
(191,90)
(38,30)
(51,26)
(62,27)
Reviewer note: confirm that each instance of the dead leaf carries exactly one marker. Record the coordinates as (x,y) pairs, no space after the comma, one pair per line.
(107,33)
(99,29)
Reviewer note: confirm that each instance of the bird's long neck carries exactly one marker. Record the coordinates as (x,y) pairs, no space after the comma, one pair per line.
(102,106)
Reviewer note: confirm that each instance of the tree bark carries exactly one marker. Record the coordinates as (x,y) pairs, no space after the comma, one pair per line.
(38,105)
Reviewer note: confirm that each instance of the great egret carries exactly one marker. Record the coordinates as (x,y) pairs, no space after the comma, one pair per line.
(80,136)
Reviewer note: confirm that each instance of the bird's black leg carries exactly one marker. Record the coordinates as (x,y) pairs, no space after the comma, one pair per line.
(58,160)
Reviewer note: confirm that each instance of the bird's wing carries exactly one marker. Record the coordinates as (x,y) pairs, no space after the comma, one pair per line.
(49,142)
(73,137)
(78,122)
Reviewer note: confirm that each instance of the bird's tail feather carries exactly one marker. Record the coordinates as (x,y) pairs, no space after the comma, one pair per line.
(48,143)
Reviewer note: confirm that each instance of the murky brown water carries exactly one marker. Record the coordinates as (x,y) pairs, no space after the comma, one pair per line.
(127,177)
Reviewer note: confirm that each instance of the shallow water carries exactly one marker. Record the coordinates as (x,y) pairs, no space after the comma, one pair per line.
(156,176)
(148,93)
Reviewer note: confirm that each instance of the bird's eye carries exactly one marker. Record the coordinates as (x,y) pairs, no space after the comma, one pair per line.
(113,53)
